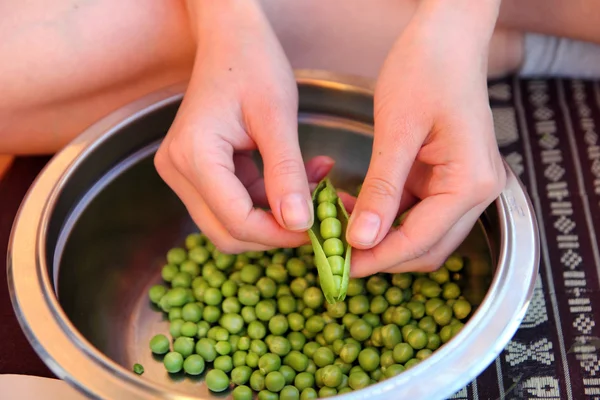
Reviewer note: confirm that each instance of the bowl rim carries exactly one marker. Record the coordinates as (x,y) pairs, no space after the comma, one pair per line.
(50,332)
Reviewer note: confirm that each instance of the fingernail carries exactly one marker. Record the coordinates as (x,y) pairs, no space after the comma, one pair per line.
(296,212)
(364,228)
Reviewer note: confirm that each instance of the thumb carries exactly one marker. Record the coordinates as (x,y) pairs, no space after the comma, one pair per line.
(286,182)
(395,147)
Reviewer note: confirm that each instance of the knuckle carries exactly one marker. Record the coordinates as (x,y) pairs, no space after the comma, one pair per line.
(237,231)
(285,167)
(487,185)
(380,188)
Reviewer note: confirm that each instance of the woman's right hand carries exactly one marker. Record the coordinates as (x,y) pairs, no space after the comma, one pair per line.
(242,96)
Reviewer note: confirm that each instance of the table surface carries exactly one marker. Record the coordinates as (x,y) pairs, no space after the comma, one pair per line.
(548,131)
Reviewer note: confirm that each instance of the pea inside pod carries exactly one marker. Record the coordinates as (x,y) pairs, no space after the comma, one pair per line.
(332,252)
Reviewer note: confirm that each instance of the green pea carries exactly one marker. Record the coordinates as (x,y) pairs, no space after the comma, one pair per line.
(454,263)
(416,308)
(440,276)
(391,336)
(257,381)
(259,347)
(333,331)
(332,376)
(248,314)
(217,380)
(417,339)
(323,356)
(191,312)
(361,330)
(297,340)
(251,273)
(349,352)
(286,304)
(433,341)
(402,280)
(326,210)
(327,392)
(202,329)
(249,295)
(394,295)
(278,325)
(216,279)
(461,308)
(242,392)
(308,312)
(298,286)
(283,290)
(267,395)
(156,292)
(194,240)
(368,359)
(377,285)
(432,304)
(206,349)
(423,354)
(310,348)
(279,258)
(199,255)
(296,360)
(304,380)
(313,297)
(239,358)
(377,375)
(327,195)
(189,329)
(211,314)
(280,346)
(333,247)
(330,228)
(176,255)
(175,313)
(191,268)
(288,373)
(269,362)
(159,344)
(295,322)
(402,353)
(252,360)
(401,316)
(372,319)
(223,348)
(277,272)
(184,346)
(358,305)
(411,363)
(394,370)
(309,394)
(442,315)
(289,393)
(427,324)
(274,381)
(378,305)
(224,363)
(450,291)
(176,297)
(182,280)
(173,362)
(355,287)
(296,267)
(193,365)
(358,380)
(430,289)
(321,339)
(315,324)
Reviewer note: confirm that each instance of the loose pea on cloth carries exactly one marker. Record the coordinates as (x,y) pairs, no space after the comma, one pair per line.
(548,132)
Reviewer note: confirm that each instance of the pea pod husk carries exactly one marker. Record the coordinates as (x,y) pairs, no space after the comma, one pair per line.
(331,293)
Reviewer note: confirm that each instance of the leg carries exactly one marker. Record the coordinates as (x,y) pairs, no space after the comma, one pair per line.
(85,58)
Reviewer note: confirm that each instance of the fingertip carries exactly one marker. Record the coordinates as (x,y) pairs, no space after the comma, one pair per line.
(296,212)
(363,229)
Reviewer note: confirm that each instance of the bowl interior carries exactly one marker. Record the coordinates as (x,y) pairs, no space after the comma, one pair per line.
(111,236)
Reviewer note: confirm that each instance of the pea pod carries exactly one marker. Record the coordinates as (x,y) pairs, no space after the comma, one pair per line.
(332,252)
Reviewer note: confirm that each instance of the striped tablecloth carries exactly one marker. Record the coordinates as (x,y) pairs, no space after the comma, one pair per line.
(548,132)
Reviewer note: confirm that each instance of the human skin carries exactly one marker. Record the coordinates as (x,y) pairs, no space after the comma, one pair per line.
(74,63)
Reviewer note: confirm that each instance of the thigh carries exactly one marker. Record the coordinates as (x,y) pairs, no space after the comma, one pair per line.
(69,64)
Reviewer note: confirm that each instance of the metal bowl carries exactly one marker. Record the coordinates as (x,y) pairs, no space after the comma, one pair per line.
(91,235)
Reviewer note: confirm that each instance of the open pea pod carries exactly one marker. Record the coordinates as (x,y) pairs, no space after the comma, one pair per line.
(334,286)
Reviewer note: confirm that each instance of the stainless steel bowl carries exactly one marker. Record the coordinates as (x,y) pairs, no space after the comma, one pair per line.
(91,235)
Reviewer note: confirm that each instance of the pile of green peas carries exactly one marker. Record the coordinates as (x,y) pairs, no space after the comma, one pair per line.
(258,322)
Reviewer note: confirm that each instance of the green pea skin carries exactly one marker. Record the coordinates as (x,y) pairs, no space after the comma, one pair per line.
(358,380)
(304,380)
(368,359)
(173,362)
(313,297)
(278,325)
(156,292)
(296,360)
(242,392)
(417,339)
(206,349)
(402,353)
(288,374)
(333,247)
(332,376)
(274,381)
(326,210)
(461,308)
(289,393)
(309,394)
(442,315)
(349,352)
(358,305)
(184,346)
(159,344)
(257,381)
(391,336)
(217,380)
(224,363)
(361,330)
(394,370)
